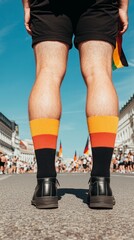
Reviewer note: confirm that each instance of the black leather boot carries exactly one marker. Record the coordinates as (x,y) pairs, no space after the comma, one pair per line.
(45,195)
(100,193)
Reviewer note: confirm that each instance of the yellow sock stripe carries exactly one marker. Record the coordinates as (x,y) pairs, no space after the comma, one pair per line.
(44,126)
(116,55)
(105,124)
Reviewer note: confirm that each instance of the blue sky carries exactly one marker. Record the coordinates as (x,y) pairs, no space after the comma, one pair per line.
(17,71)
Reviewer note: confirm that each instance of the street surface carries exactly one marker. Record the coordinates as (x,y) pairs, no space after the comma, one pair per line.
(73,220)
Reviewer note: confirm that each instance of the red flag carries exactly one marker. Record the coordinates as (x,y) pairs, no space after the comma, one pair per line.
(60,150)
(75,156)
(86,150)
(22,145)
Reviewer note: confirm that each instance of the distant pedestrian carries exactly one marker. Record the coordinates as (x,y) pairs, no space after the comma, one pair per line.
(3,161)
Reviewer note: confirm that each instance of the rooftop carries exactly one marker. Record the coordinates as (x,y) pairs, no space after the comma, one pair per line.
(127,103)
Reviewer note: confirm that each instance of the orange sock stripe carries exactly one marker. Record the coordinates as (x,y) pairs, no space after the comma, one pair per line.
(44,126)
(45,141)
(103,139)
(117,53)
(97,124)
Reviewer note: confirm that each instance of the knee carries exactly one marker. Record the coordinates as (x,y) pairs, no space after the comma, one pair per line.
(88,74)
(51,73)
(95,73)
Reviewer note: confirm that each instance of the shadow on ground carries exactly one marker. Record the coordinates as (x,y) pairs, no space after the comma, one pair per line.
(79,193)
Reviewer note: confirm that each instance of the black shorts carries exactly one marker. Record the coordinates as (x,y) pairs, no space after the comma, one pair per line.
(84,166)
(60,20)
(121,164)
(114,166)
(2,164)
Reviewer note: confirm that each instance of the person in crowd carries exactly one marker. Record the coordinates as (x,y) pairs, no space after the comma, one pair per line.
(3,161)
(14,164)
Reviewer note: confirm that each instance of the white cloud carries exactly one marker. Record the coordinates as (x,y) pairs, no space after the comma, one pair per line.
(4,32)
(3,1)
(131,63)
(66,127)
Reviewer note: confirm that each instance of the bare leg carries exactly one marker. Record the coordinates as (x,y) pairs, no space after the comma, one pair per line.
(102,102)
(44,101)
(96,57)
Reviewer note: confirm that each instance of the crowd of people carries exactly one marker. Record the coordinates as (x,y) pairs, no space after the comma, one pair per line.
(11,165)
(121,162)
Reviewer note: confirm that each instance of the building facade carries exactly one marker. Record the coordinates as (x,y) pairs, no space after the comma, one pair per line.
(9,135)
(27,151)
(125,134)
(10,143)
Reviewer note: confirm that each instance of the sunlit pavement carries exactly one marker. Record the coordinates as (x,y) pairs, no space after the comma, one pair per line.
(73,219)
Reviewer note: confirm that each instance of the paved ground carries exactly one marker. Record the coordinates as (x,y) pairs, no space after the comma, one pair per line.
(73,219)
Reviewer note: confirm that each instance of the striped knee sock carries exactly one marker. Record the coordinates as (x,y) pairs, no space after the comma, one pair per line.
(44,133)
(102,130)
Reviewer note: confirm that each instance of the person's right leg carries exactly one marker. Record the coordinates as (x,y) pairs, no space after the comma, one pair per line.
(45,109)
(95,38)
(102,116)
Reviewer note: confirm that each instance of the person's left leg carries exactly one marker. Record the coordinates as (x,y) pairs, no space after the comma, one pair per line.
(44,114)
(101,110)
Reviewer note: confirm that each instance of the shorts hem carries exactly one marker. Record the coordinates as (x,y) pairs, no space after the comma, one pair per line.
(52,38)
(105,38)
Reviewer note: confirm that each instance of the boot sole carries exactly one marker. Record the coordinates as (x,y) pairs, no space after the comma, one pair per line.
(102,202)
(45,202)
